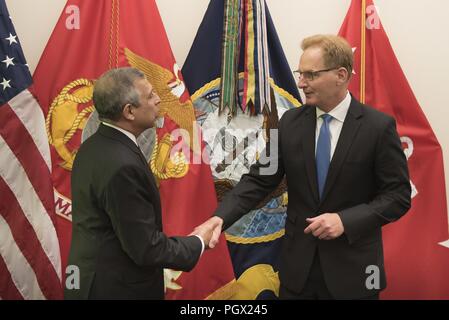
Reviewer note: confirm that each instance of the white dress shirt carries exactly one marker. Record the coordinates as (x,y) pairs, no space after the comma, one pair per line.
(125,132)
(133,138)
(338,114)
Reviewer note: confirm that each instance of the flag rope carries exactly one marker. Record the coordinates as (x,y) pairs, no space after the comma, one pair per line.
(114,35)
(363,53)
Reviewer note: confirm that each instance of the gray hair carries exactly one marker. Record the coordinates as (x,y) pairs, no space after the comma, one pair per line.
(114,89)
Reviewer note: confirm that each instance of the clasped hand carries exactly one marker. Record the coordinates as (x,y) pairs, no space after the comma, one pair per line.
(209,231)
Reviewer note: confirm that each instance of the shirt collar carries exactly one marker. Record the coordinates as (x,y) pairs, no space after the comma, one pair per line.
(125,132)
(340,111)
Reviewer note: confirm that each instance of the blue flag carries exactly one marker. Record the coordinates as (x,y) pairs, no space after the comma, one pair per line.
(241,85)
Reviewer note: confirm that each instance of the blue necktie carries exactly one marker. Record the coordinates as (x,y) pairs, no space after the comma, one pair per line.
(323,152)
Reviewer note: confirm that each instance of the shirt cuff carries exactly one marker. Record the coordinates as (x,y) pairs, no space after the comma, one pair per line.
(202,243)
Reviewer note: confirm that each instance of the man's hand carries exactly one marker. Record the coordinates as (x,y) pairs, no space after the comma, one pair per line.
(327,226)
(210,231)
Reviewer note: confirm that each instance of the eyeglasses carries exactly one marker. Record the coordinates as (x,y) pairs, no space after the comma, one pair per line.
(311,75)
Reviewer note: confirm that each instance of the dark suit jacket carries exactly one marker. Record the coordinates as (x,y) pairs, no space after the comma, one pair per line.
(117,239)
(367,184)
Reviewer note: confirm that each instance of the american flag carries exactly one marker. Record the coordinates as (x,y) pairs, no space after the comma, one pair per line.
(30,262)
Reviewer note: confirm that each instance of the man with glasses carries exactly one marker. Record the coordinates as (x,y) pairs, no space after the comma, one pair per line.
(347,177)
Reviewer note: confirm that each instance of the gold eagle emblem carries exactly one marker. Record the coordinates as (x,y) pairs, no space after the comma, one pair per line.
(65,118)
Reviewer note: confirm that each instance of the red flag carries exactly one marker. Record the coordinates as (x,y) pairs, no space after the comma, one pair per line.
(30,264)
(416,259)
(90,38)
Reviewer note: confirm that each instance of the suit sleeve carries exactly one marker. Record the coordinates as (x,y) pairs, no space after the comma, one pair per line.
(393,197)
(133,217)
(264,176)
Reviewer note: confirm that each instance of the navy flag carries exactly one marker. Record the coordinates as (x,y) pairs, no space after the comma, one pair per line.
(241,85)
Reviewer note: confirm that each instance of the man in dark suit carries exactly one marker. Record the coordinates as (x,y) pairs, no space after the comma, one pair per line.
(347,176)
(117,241)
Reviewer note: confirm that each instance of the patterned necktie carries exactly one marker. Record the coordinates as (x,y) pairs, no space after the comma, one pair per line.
(323,152)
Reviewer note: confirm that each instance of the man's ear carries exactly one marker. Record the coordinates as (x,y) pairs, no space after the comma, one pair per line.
(343,75)
(127,112)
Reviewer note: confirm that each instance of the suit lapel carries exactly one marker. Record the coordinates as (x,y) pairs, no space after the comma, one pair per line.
(308,146)
(150,173)
(350,127)
(145,163)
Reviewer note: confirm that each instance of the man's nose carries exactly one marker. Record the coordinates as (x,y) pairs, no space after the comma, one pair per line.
(302,83)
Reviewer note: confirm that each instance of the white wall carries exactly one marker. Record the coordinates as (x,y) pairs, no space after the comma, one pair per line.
(418,32)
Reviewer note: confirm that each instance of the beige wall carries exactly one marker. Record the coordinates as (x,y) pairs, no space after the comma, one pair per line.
(418,32)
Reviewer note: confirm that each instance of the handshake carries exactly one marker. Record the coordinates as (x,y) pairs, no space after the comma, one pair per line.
(209,231)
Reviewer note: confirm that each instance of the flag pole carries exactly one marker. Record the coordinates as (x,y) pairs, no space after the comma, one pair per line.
(363,53)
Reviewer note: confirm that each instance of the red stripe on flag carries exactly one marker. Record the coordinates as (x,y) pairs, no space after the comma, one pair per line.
(22,145)
(8,290)
(28,243)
